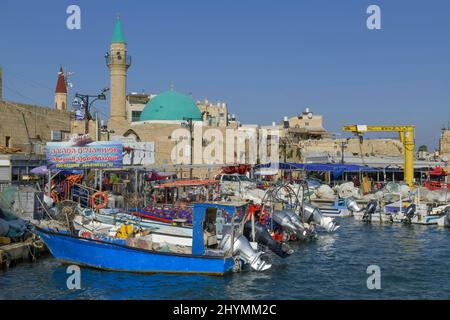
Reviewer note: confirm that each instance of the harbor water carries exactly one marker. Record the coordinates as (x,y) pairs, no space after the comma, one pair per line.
(414,262)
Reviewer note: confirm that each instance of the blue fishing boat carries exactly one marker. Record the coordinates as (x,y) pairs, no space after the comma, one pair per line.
(205,257)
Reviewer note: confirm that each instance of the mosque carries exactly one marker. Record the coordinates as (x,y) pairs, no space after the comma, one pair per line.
(153,118)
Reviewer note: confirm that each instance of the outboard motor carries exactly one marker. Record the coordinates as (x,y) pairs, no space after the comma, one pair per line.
(447,212)
(283,219)
(351,205)
(262,236)
(409,213)
(370,209)
(313,213)
(245,251)
(295,220)
(305,232)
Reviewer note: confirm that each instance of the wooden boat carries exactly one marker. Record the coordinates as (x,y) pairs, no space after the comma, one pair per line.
(119,255)
(82,223)
(226,210)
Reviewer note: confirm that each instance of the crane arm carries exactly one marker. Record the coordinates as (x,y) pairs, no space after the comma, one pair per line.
(406,137)
(364,128)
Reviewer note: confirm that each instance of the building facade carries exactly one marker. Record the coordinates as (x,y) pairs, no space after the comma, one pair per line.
(28,127)
(444,144)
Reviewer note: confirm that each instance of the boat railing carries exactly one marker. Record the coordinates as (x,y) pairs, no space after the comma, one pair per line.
(82,195)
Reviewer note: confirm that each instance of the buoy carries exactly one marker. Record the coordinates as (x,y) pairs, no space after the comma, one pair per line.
(102,204)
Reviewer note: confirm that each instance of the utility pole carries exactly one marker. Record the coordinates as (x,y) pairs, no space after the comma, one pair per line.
(87,105)
(189,124)
(343,147)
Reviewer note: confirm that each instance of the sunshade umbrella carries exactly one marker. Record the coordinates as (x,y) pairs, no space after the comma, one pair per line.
(42,170)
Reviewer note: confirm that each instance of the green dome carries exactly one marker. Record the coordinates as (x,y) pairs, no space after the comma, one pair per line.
(170,105)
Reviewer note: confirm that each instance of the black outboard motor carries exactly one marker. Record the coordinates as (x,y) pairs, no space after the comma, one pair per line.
(447,212)
(370,209)
(409,213)
(262,236)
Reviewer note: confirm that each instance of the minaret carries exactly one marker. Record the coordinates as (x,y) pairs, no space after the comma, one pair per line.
(61,92)
(118,63)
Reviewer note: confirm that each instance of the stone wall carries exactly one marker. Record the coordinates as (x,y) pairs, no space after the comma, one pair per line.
(369,147)
(23,124)
(162,135)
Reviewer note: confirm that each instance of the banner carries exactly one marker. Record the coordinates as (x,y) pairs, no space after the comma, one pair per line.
(136,153)
(95,155)
(139,153)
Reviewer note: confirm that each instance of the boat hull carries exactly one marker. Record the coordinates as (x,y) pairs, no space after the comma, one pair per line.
(376,217)
(117,257)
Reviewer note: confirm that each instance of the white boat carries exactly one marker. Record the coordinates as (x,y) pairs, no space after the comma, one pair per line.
(444,220)
(376,217)
(415,214)
(86,224)
(115,217)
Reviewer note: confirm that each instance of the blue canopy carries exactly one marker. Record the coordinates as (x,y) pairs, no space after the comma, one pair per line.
(336,169)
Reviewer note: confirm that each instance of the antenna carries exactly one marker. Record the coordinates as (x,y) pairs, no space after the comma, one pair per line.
(67,75)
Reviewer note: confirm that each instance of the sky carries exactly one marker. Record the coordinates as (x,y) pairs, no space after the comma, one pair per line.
(266,59)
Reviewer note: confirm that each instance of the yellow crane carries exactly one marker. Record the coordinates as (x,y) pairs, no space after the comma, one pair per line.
(406,137)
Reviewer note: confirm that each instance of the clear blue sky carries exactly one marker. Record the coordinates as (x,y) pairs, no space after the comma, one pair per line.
(267,59)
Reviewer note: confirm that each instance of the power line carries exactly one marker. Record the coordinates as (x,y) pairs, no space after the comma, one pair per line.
(20,76)
(22,95)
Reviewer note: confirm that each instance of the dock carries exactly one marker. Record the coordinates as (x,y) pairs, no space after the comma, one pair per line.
(14,253)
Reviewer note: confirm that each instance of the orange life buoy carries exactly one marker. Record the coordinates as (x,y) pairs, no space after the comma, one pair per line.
(102,204)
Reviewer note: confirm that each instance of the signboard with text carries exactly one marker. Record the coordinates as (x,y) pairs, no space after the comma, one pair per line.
(95,155)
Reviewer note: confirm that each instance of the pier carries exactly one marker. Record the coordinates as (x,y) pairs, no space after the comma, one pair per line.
(14,253)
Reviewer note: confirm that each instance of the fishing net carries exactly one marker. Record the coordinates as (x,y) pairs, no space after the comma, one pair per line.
(325,192)
(347,190)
